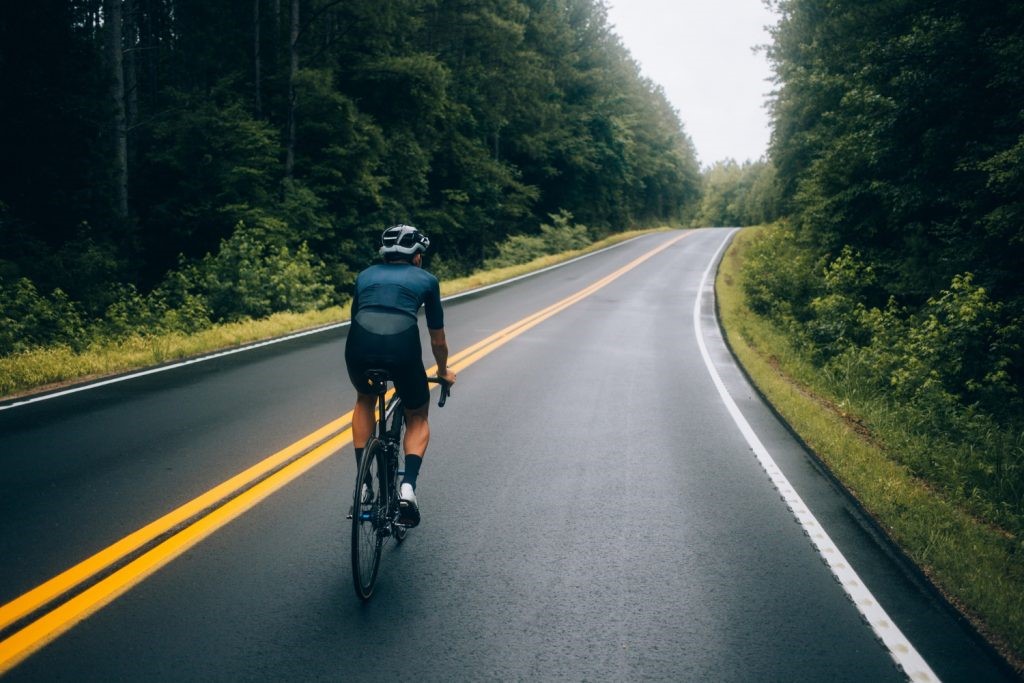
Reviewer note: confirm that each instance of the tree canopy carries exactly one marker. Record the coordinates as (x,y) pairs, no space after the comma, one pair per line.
(738,194)
(898,148)
(141,136)
(899,132)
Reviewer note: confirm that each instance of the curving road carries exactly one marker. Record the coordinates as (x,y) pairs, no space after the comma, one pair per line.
(594,509)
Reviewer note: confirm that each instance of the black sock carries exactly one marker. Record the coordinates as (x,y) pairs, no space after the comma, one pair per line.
(412,469)
(359,456)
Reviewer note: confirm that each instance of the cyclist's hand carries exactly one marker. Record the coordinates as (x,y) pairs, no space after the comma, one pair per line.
(448,377)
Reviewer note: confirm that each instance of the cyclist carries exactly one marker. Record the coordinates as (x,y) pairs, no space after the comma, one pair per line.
(384,335)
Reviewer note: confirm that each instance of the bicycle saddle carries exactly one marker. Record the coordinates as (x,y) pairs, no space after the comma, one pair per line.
(376,381)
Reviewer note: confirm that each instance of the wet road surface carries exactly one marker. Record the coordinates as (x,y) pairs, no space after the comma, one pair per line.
(590,512)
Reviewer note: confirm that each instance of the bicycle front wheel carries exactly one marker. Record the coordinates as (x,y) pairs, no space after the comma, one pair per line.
(369,518)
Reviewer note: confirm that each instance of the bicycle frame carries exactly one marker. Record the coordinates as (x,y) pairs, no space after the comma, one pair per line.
(375,519)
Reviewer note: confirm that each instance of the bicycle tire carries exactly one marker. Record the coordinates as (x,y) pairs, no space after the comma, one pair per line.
(400,531)
(368,519)
(395,438)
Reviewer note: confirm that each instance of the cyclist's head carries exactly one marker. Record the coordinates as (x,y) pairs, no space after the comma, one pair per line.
(402,243)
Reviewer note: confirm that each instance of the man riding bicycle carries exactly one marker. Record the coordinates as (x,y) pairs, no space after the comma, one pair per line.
(384,335)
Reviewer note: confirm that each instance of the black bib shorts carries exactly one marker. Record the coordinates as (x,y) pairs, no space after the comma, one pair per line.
(385,341)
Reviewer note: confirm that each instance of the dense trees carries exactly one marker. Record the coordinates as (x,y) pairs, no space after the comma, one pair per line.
(738,194)
(144,137)
(898,146)
(899,132)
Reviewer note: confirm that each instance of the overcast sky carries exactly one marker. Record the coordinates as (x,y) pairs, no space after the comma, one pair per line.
(700,52)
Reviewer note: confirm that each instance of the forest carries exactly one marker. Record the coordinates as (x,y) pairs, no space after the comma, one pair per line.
(174,164)
(170,164)
(898,159)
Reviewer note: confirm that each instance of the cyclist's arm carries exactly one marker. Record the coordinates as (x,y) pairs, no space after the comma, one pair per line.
(439,346)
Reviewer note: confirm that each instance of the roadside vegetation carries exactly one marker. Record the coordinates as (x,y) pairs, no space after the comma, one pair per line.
(183,165)
(737,194)
(942,480)
(144,340)
(194,177)
(883,316)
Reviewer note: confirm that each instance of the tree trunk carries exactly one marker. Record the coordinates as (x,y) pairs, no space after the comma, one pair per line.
(131,56)
(293,70)
(256,56)
(112,18)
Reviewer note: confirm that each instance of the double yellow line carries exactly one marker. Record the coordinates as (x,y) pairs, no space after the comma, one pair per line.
(181,529)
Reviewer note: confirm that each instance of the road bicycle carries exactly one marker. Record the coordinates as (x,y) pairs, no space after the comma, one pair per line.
(375,512)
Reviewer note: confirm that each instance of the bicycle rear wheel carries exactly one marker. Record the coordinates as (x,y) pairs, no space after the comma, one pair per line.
(400,531)
(395,438)
(369,518)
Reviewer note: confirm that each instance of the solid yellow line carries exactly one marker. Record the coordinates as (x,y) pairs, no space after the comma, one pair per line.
(469,356)
(56,622)
(44,593)
(51,625)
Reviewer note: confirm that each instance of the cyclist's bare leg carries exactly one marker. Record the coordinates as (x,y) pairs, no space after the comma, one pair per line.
(363,417)
(417,430)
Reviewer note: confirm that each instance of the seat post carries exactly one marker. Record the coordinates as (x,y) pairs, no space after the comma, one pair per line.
(377,381)
(382,416)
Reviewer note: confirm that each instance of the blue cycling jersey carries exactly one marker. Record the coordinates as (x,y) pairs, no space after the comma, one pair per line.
(401,288)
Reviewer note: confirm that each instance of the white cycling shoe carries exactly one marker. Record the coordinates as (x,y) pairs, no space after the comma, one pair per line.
(365,498)
(408,510)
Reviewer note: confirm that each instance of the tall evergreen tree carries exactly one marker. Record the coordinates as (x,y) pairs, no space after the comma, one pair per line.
(146,132)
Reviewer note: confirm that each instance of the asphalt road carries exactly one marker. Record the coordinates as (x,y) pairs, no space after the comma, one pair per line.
(591,510)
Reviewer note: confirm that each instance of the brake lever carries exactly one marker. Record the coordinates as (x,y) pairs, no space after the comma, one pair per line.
(446,390)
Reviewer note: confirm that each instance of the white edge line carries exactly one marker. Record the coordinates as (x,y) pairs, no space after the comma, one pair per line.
(172,366)
(268,342)
(899,647)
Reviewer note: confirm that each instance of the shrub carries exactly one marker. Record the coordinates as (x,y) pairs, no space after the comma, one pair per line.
(957,343)
(250,278)
(935,383)
(29,319)
(133,314)
(517,249)
(780,277)
(940,385)
(560,237)
(184,308)
(129,313)
(838,317)
(563,236)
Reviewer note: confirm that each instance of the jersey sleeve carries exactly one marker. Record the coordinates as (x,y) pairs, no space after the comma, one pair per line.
(432,306)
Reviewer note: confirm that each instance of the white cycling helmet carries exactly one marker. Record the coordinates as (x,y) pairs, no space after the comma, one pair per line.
(403,240)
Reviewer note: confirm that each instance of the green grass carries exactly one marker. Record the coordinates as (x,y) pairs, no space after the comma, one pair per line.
(976,565)
(42,369)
